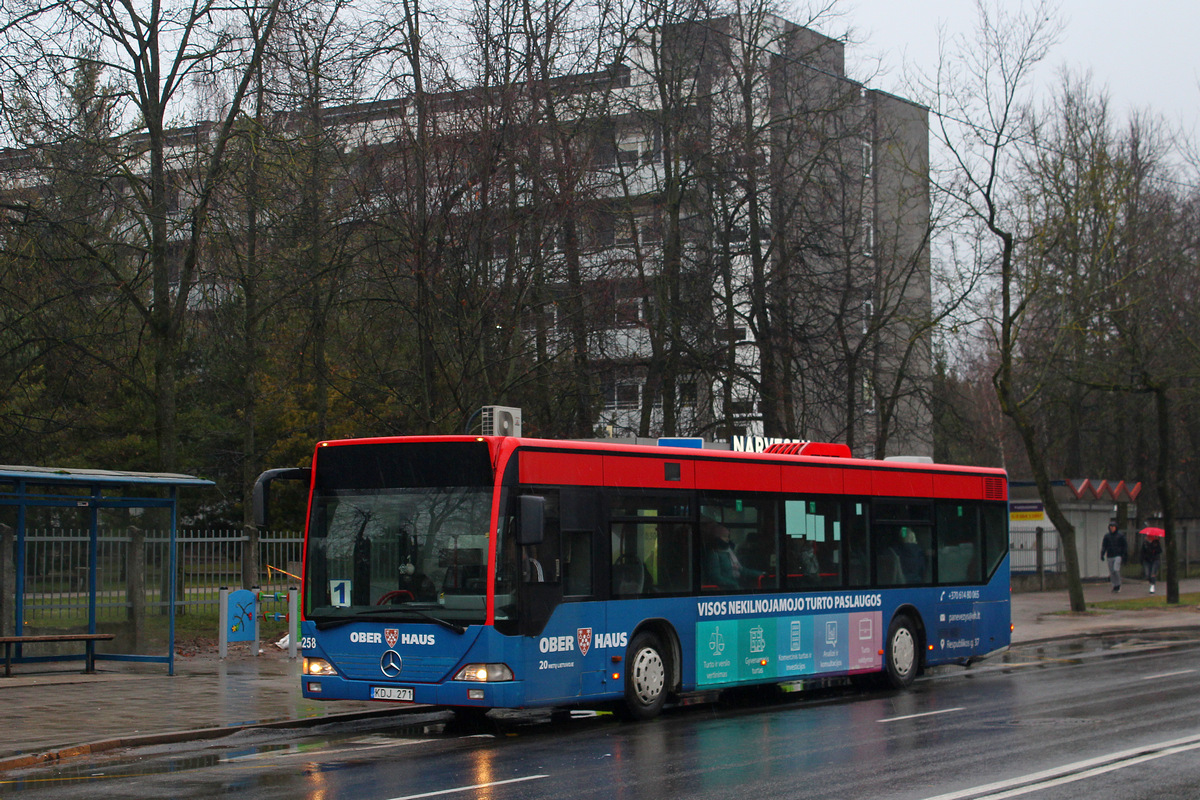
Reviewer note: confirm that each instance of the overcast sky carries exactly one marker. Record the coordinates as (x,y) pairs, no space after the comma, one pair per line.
(1146,53)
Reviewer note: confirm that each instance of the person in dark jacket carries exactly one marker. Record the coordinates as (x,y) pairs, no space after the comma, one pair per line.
(1114,549)
(1151,557)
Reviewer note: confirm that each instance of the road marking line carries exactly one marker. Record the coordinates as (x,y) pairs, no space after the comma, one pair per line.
(469,788)
(1076,771)
(1091,773)
(916,716)
(1168,674)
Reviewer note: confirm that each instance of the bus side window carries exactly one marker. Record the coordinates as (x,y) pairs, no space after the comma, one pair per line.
(993,519)
(958,536)
(738,546)
(651,542)
(813,537)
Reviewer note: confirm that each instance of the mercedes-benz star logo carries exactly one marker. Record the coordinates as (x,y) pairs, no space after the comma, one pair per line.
(391,663)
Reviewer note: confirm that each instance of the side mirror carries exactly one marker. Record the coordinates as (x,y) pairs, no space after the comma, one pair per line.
(533,520)
(261,497)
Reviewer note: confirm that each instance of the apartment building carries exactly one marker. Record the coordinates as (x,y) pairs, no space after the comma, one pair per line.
(719,234)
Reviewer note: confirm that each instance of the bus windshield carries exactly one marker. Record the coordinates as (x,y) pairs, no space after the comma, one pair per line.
(399,534)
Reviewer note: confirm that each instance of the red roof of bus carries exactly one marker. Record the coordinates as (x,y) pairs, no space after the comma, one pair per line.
(640,465)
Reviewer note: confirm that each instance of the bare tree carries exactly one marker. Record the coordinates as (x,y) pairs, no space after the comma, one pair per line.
(151,54)
(66,336)
(1109,237)
(279,238)
(978,92)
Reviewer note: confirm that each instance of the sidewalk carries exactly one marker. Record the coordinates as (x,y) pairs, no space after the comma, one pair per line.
(59,714)
(1041,616)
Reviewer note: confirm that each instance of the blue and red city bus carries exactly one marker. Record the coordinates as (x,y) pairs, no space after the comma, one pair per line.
(487,572)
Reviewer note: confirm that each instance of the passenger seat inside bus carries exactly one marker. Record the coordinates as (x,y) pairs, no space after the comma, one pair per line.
(630,575)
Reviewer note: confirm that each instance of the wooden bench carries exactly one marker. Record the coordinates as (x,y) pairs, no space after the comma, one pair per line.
(89,639)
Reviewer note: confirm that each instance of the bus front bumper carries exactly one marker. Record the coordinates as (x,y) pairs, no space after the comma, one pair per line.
(508,694)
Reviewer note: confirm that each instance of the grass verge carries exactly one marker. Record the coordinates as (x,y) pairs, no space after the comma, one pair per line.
(1148,601)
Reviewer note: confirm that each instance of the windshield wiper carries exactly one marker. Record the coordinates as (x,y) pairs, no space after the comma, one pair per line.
(333,622)
(445,623)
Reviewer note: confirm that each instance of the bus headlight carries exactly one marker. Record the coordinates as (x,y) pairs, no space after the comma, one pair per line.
(484,673)
(318,666)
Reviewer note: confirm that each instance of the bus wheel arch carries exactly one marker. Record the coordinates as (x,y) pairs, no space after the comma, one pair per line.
(904,648)
(651,669)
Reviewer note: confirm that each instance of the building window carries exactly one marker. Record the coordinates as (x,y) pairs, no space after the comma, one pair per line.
(686,393)
(627,311)
(536,319)
(868,230)
(622,395)
(623,229)
(733,335)
(868,200)
(741,408)
(650,228)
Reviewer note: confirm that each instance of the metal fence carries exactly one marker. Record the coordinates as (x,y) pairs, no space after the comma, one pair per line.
(1023,551)
(208,560)
(132,568)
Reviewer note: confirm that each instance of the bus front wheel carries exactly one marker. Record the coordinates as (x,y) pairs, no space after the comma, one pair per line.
(903,657)
(646,670)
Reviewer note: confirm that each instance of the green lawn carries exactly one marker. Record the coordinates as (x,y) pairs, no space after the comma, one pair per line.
(1147,601)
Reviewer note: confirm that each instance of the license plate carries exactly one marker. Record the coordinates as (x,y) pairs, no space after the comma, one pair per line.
(401,693)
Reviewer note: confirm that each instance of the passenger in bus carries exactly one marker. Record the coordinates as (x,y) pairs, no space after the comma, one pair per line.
(803,567)
(912,556)
(721,564)
(806,557)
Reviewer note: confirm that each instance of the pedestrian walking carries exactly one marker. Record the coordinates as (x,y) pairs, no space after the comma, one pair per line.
(1114,549)
(1151,557)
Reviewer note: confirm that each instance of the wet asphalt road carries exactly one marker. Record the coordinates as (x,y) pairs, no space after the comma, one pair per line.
(1114,718)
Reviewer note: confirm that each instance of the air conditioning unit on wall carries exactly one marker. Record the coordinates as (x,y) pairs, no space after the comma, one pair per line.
(501,421)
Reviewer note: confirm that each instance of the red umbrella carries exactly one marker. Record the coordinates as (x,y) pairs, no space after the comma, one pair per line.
(1152,532)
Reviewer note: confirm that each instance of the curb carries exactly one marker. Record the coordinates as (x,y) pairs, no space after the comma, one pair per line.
(1128,631)
(198,734)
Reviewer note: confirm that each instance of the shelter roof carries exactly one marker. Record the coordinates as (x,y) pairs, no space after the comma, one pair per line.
(91,477)
(1088,489)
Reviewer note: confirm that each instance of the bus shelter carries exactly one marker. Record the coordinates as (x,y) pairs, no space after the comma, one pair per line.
(1088,504)
(90,551)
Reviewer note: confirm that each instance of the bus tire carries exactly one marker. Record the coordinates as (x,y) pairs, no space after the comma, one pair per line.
(470,712)
(470,716)
(646,671)
(902,653)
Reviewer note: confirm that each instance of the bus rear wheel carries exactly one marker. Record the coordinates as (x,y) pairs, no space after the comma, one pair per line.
(646,670)
(903,656)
